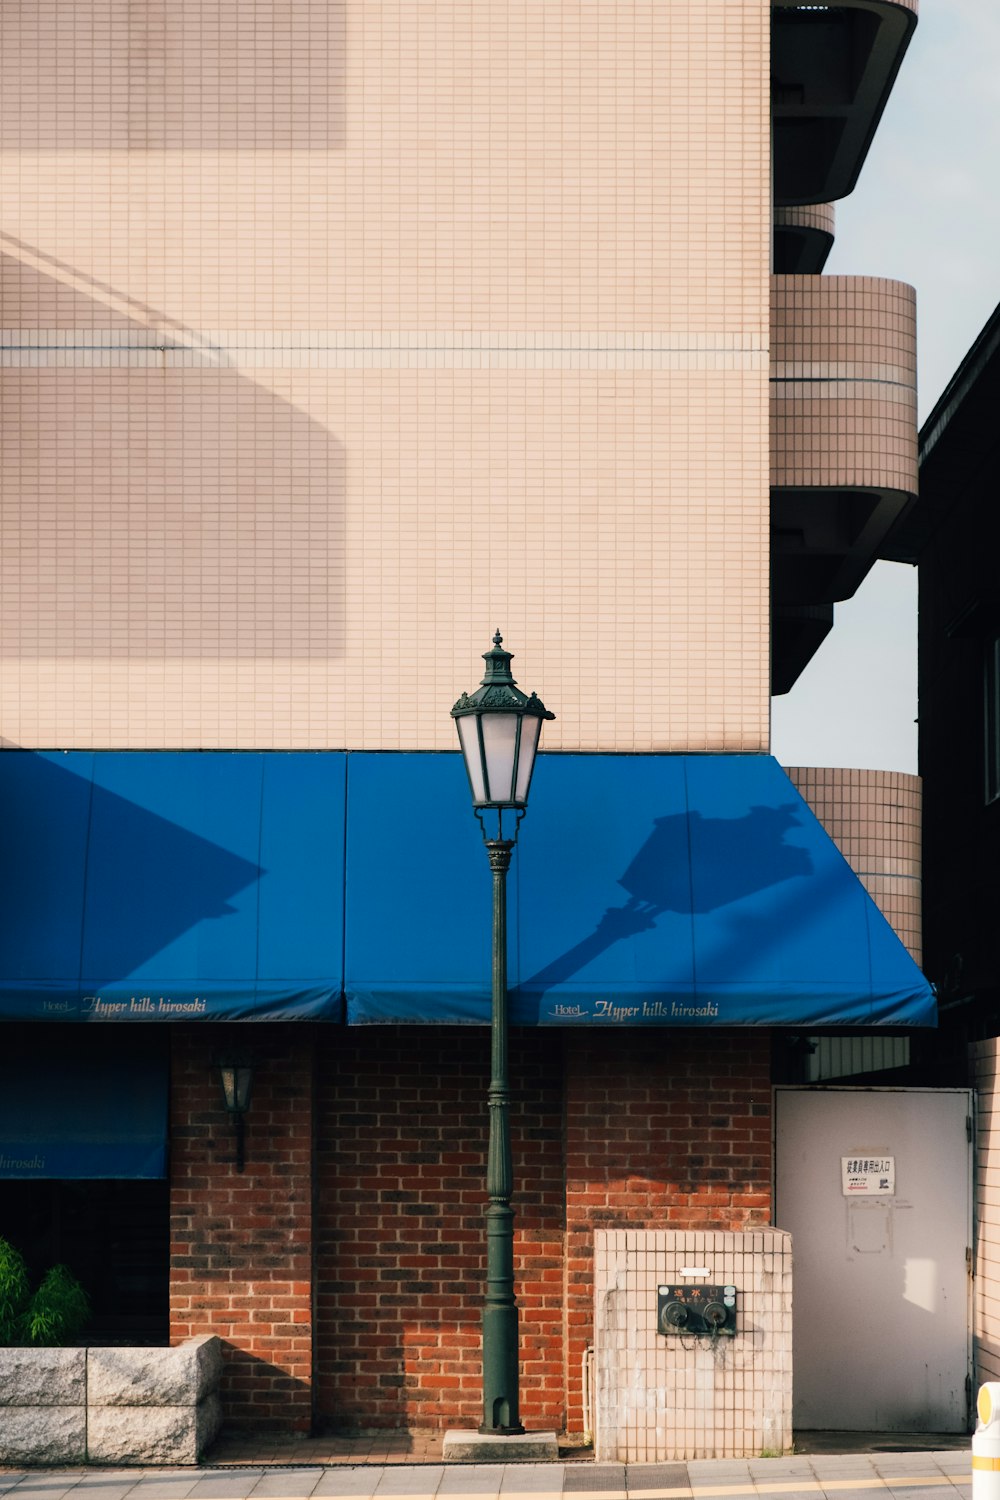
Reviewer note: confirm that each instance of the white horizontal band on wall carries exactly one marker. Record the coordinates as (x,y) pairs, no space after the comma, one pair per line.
(366,349)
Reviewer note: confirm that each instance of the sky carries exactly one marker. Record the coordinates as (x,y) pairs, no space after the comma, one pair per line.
(926,210)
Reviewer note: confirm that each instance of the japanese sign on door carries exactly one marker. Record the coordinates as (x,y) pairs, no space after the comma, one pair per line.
(868,1176)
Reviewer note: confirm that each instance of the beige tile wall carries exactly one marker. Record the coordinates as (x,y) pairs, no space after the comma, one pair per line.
(666,1396)
(874,818)
(338,332)
(843,382)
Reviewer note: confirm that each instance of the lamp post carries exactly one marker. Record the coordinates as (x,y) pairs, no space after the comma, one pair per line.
(499,729)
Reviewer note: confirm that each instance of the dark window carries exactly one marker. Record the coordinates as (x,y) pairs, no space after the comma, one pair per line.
(113,1236)
(82,1166)
(991,701)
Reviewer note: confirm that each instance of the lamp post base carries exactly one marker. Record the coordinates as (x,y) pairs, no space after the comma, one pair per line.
(489,1448)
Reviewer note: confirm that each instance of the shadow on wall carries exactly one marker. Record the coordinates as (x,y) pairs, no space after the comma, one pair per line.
(264,77)
(160,510)
(261,1395)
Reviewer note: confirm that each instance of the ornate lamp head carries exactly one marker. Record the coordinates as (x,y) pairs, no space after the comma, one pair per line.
(499,729)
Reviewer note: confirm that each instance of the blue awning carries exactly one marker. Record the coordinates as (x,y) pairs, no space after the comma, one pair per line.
(646,890)
(164,886)
(71,1114)
(649,890)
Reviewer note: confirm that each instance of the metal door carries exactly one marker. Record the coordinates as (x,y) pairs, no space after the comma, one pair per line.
(875,1186)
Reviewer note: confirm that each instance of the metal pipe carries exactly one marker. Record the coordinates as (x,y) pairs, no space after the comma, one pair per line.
(587,1364)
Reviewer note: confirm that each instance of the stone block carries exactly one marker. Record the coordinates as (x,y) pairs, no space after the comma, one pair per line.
(208,1421)
(50,1435)
(483,1448)
(43,1377)
(209,1362)
(152,1434)
(181,1376)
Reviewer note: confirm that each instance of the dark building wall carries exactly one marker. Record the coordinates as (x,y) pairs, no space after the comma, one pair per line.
(957,548)
(954,535)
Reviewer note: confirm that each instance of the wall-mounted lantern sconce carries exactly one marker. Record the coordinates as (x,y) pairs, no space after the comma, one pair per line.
(236,1077)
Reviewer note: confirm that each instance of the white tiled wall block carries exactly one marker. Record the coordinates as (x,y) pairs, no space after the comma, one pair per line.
(661,1397)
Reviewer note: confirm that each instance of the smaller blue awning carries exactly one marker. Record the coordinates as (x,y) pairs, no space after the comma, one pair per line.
(646,890)
(72,1113)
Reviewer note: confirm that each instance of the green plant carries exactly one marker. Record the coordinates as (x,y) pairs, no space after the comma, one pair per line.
(57,1311)
(54,1314)
(14,1291)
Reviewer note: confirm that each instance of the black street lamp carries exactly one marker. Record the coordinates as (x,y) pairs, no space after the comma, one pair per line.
(499,729)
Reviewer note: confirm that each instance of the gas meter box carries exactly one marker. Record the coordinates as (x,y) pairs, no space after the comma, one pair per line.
(703,1311)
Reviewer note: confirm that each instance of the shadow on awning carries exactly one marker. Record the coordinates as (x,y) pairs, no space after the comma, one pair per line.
(646,890)
(171,886)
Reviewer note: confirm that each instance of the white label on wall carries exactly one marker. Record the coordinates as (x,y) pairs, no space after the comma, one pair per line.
(868,1176)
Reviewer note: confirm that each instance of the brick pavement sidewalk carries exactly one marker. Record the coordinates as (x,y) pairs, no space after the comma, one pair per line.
(898,1476)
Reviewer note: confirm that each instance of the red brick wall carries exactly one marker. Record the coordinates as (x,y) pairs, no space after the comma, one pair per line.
(640,1128)
(242,1243)
(400,1228)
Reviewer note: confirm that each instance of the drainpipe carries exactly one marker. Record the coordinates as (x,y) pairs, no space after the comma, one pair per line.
(587,1374)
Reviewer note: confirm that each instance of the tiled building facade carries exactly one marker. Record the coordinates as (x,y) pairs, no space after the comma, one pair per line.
(337,333)
(335,322)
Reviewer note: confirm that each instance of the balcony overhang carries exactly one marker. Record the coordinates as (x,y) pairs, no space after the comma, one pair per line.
(797,632)
(823,542)
(832,70)
(803,238)
(823,545)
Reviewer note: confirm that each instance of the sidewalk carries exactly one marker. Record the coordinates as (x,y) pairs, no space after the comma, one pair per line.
(236,1447)
(933,1475)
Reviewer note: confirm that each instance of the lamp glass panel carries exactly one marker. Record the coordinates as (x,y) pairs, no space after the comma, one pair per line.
(468,735)
(244,1081)
(499,740)
(228,1076)
(236,1082)
(530,729)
